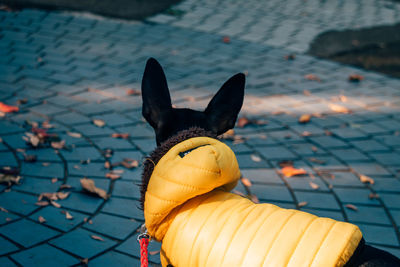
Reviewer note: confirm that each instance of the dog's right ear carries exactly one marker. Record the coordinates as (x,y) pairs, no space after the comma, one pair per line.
(155,93)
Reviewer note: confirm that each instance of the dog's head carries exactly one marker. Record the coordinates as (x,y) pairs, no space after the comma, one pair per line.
(219,116)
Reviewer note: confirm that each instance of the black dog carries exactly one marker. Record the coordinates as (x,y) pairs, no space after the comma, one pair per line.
(219,116)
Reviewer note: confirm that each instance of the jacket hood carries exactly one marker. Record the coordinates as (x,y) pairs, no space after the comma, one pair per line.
(190,168)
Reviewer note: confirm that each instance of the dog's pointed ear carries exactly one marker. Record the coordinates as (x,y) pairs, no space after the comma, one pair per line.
(155,93)
(224,107)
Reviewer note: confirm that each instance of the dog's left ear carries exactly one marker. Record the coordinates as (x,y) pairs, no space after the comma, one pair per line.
(224,107)
(155,93)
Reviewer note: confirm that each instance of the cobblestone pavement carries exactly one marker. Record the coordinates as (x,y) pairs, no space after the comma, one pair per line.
(289,24)
(71,69)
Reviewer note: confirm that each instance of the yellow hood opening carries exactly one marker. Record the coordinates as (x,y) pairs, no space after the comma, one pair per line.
(208,164)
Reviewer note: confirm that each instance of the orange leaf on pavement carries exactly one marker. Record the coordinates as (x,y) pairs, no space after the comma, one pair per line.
(305,118)
(246,182)
(7,108)
(290,171)
(88,185)
(366,179)
(339,109)
(351,207)
(95,237)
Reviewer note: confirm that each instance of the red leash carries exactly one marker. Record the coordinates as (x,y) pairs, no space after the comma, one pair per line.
(144,239)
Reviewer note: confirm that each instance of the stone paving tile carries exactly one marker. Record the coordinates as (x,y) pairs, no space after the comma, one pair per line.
(89,62)
(115,258)
(27,233)
(79,242)
(112,226)
(44,255)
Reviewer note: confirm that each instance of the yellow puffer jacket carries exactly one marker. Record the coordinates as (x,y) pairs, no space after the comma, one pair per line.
(189,208)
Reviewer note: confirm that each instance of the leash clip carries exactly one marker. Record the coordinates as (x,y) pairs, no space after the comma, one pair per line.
(143,233)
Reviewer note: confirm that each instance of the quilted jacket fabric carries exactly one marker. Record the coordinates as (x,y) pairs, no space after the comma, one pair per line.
(188,207)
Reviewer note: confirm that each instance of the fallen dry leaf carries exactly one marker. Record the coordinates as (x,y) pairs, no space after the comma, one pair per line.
(339,108)
(112,176)
(65,186)
(355,78)
(120,135)
(226,39)
(130,163)
(54,180)
(312,77)
(89,186)
(318,161)
(305,118)
(58,145)
(9,179)
(306,133)
(366,179)
(351,207)
(343,98)
(45,164)
(107,165)
(29,158)
(373,196)
(306,92)
(155,252)
(75,135)
(314,185)
(41,219)
(68,216)
(99,123)
(55,204)
(242,122)
(3,209)
(255,158)
(302,204)
(290,171)
(95,237)
(42,203)
(85,261)
(7,108)
(62,195)
(132,92)
(246,182)
(314,148)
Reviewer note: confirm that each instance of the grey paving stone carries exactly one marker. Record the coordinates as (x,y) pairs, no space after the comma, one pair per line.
(369,145)
(79,242)
(4,261)
(114,258)
(262,176)
(271,193)
(44,255)
(376,215)
(38,169)
(329,142)
(349,155)
(82,202)
(113,226)
(336,215)
(57,219)
(355,195)
(378,234)
(127,189)
(7,246)
(388,159)
(317,200)
(27,233)
(37,185)
(276,153)
(123,207)
(18,202)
